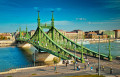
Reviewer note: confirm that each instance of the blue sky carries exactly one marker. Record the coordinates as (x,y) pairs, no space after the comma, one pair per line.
(85,15)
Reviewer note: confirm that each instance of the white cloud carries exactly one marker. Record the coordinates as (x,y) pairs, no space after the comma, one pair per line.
(64,23)
(80,18)
(52,9)
(58,9)
(113,4)
(36,8)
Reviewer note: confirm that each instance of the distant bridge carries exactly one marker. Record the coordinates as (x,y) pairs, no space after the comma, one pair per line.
(56,43)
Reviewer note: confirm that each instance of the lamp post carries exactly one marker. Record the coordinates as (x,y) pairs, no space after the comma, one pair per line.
(99,57)
(74,55)
(109,57)
(82,58)
(34,57)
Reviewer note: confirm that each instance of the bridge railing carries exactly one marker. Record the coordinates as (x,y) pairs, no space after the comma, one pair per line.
(69,44)
(48,45)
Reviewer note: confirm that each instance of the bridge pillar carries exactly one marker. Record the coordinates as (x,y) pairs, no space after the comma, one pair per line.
(53,30)
(109,57)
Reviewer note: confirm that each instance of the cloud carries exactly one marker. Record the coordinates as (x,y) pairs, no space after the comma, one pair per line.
(64,23)
(52,9)
(80,18)
(58,9)
(36,8)
(113,4)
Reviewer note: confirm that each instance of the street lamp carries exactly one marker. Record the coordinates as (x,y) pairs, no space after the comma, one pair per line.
(109,57)
(74,55)
(82,58)
(34,57)
(99,57)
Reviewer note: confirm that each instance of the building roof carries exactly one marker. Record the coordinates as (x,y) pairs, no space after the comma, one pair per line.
(92,33)
(61,30)
(117,30)
(5,34)
(76,30)
(32,30)
(71,32)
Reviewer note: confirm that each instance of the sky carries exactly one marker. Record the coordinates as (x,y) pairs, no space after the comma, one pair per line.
(86,15)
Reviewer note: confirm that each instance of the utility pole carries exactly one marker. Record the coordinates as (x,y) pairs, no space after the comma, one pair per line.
(74,55)
(82,58)
(34,57)
(99,57)
(109,57)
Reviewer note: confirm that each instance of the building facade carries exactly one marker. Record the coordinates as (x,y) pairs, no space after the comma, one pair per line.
(31,33)
(117,34)
(6,36)
(75,34)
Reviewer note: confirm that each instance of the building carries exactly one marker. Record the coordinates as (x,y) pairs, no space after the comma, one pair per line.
(109,33)
(94,35)
(91,34)
(75,34)
(6,36)
(117,34)
(99,32)
(32,32)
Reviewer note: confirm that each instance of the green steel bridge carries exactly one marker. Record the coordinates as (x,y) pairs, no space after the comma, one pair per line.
(56,43)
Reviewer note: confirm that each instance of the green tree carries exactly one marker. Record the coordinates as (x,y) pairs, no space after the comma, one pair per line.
(8,38)
(56,60)
(5,38)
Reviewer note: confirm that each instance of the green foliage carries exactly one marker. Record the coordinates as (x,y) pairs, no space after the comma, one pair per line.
(56,60)
(8,38)
(33,74)
(9,76)
(3,38)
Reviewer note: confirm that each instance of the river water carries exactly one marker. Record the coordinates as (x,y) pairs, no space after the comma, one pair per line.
(13,57)
(104,48)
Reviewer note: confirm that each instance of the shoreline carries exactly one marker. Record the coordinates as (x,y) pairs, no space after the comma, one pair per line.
(7,43)
(92,41)
(93,62)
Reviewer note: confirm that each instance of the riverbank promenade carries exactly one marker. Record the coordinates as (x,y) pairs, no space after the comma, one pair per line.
(62,70)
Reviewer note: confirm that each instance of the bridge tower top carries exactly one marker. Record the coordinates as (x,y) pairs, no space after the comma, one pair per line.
(38,19)
(19,29)
(52,20)
(26,30)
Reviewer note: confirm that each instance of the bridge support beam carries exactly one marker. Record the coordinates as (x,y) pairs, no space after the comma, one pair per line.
(109,57)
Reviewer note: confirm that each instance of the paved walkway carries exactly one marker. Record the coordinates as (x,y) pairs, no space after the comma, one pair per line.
(62,70)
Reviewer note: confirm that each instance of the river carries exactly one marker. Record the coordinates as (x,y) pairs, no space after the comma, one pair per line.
(104,48)
(13,57)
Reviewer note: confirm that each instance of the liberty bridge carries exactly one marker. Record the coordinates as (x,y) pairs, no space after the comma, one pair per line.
(55,43)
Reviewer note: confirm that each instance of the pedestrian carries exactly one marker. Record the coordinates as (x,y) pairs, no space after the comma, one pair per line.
(96,70)
(66,63)
(111,70)
(102,67)
(85,66)
(79,67)
(76,62)
(55,69)
(63,61)
(88,64)
(91,68)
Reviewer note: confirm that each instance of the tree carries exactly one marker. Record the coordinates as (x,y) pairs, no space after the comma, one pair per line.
(56,60)
(5,38)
